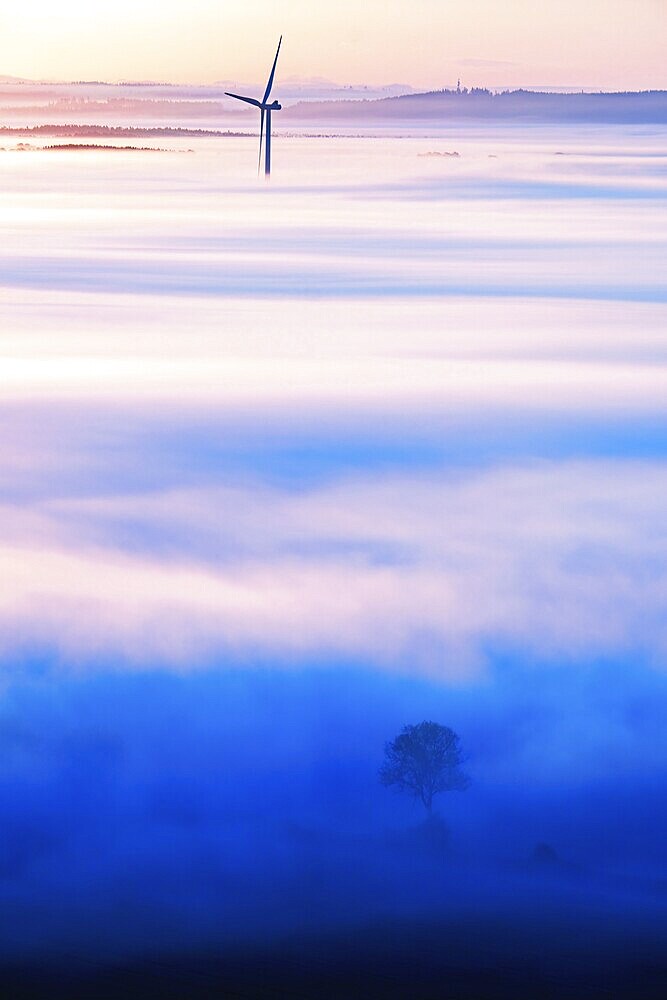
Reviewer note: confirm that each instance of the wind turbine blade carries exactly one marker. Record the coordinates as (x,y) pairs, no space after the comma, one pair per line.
(261,137)
(247,100)
(273,73)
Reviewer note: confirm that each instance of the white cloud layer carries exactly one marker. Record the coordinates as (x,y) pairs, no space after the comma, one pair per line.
(556,561)
(168,325)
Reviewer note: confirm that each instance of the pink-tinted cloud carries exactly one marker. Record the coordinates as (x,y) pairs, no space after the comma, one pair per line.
(563,561)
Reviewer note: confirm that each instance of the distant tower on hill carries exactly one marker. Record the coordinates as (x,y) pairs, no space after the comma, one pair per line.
(458,86)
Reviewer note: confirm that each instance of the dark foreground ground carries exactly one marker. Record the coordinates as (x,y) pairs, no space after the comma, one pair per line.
(410,959)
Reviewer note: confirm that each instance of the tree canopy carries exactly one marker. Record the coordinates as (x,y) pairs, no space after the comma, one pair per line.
(424,760)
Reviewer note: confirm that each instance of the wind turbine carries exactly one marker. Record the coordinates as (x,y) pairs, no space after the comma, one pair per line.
(265,109)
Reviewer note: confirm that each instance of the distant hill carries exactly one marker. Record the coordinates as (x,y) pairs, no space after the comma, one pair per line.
(641,107)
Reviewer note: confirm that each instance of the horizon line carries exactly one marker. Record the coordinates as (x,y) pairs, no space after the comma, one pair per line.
(11,80)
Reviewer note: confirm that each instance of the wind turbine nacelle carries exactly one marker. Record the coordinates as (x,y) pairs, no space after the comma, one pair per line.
(274,107)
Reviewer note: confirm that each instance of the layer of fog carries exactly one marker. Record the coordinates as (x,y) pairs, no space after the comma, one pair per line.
(422,572)
(284,469)
(162,813)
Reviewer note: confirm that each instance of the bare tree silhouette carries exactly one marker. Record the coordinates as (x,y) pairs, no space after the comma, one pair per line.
(424,760)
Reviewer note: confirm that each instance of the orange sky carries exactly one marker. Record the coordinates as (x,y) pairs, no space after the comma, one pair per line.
(426,43)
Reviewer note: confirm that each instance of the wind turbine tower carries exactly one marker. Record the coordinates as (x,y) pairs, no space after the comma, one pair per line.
(265,110)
